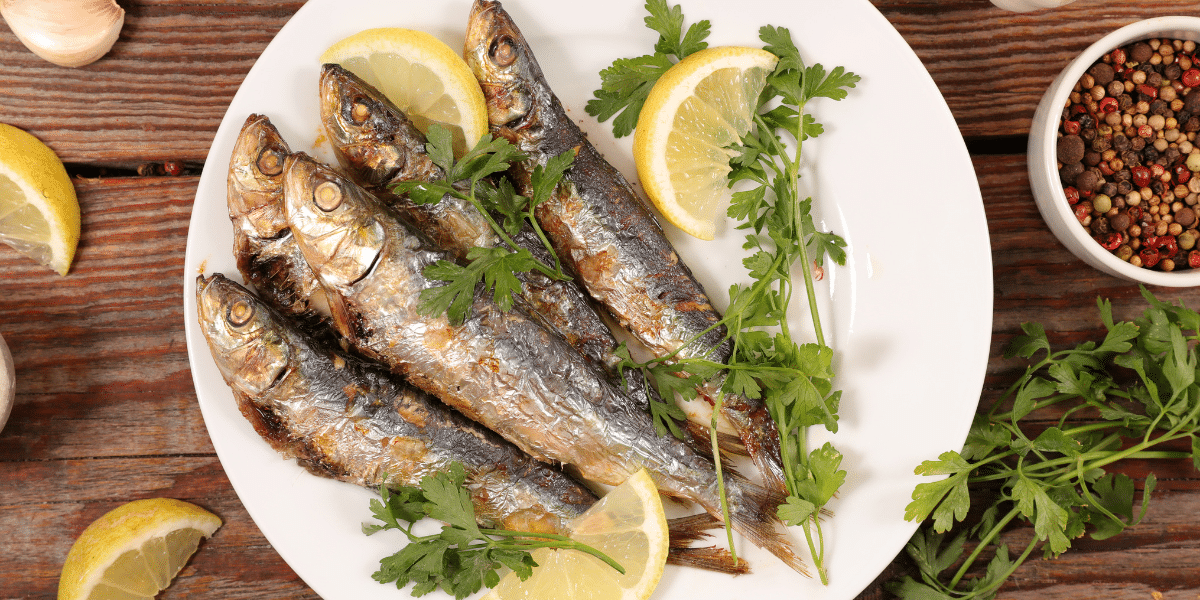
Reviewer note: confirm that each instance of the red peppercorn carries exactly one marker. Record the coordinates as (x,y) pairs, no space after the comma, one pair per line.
(1108,105)
(1072,195)
(1112,241)
(1082,211)
(1105,169)
(1191,77)
(1141,176)
(1182,173)
(1194,259)
(1071,127)
(1145,131)
(1118,56)
(1078,109)
(173,167)
(1149,257)
(1148,90)
(1167,246)
(1156,171)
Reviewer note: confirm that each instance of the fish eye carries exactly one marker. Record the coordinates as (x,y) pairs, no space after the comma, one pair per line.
(502,51)
(327,196)
(240,313)
(360,111)
(270,162)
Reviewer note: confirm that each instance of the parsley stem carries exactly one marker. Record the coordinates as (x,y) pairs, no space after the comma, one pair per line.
(543,268)
(983,543)
(549,540)
(720,474)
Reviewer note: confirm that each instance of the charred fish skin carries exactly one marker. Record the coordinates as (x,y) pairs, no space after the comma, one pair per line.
(378,146)
(349,420)
(266,256)
(501,369)
(602,229)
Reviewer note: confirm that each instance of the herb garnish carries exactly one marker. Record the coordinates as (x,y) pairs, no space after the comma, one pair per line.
(793,380)
(471,178)
(1139,389)
(463,557)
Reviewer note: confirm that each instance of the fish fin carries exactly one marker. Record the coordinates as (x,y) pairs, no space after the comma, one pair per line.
(726,442)
(710,558)
(682,531)
(754,511)
(761,440)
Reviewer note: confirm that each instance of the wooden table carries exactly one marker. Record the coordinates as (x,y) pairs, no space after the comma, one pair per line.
(106,411)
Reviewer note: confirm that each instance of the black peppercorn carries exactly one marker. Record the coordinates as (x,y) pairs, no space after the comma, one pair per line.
(1102,73)
(1124,186)
(1159,107)
(1172,71)
(1109,189)
(1070,149)
(1149,155)
(1070,171)
(1121,222)
(1088,181)
(1099,226)
(1120,143)
(1140,52)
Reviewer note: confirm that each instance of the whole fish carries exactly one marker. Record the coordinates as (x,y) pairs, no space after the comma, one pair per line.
(501,369)
(378,146)
(263,248)
(350,420)
(601,228)
(320,439)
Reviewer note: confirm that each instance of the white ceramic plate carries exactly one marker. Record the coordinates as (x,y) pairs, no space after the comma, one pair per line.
(909,314)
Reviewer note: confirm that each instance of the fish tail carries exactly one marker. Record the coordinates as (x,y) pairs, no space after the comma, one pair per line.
(682,531)
(753,510)
(709,558)
(727,443)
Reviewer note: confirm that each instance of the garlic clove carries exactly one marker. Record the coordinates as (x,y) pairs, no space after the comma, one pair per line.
(71,33)
(7,382)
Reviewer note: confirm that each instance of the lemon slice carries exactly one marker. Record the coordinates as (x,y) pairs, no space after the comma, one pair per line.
(39,213)
(695,111)
(134,550)
(421,75)
(628,525)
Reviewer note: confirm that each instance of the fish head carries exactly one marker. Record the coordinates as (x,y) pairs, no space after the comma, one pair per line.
(334,221)
(255,194)
(503,64)
(362,125)
(246,338)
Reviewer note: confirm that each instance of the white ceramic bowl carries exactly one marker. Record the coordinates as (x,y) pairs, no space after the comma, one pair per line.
(1043,161)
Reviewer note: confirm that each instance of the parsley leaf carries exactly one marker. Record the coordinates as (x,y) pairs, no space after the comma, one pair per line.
(1056,480)
(626,83)
(462,558)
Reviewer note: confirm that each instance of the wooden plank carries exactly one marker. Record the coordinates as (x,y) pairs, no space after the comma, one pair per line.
(992,65)
(50,503)
(101,361)
(162,91)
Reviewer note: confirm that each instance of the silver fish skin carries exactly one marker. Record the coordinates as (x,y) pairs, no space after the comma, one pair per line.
(266,256)
(601,228)
(378,146)
(501,369)
(353,421)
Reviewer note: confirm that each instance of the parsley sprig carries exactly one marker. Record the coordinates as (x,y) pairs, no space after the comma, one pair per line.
(1138,388)
(625,84)
(793,380)
(462,557)
(477,178)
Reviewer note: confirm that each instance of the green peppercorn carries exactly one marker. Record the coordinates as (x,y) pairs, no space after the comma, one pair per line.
(1101,203)
(1186,241)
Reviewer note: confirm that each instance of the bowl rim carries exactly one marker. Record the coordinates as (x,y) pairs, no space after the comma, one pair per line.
(1046,132)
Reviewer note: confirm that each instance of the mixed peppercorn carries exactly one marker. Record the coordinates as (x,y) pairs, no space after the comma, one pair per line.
(1128,156)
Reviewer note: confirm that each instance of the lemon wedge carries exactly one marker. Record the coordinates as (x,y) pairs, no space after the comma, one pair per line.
(39,213)
(421,75)
(628,525)
(695,111)
(134,550)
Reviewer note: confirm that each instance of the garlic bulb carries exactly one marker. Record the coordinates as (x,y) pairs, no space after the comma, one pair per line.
(71,33)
